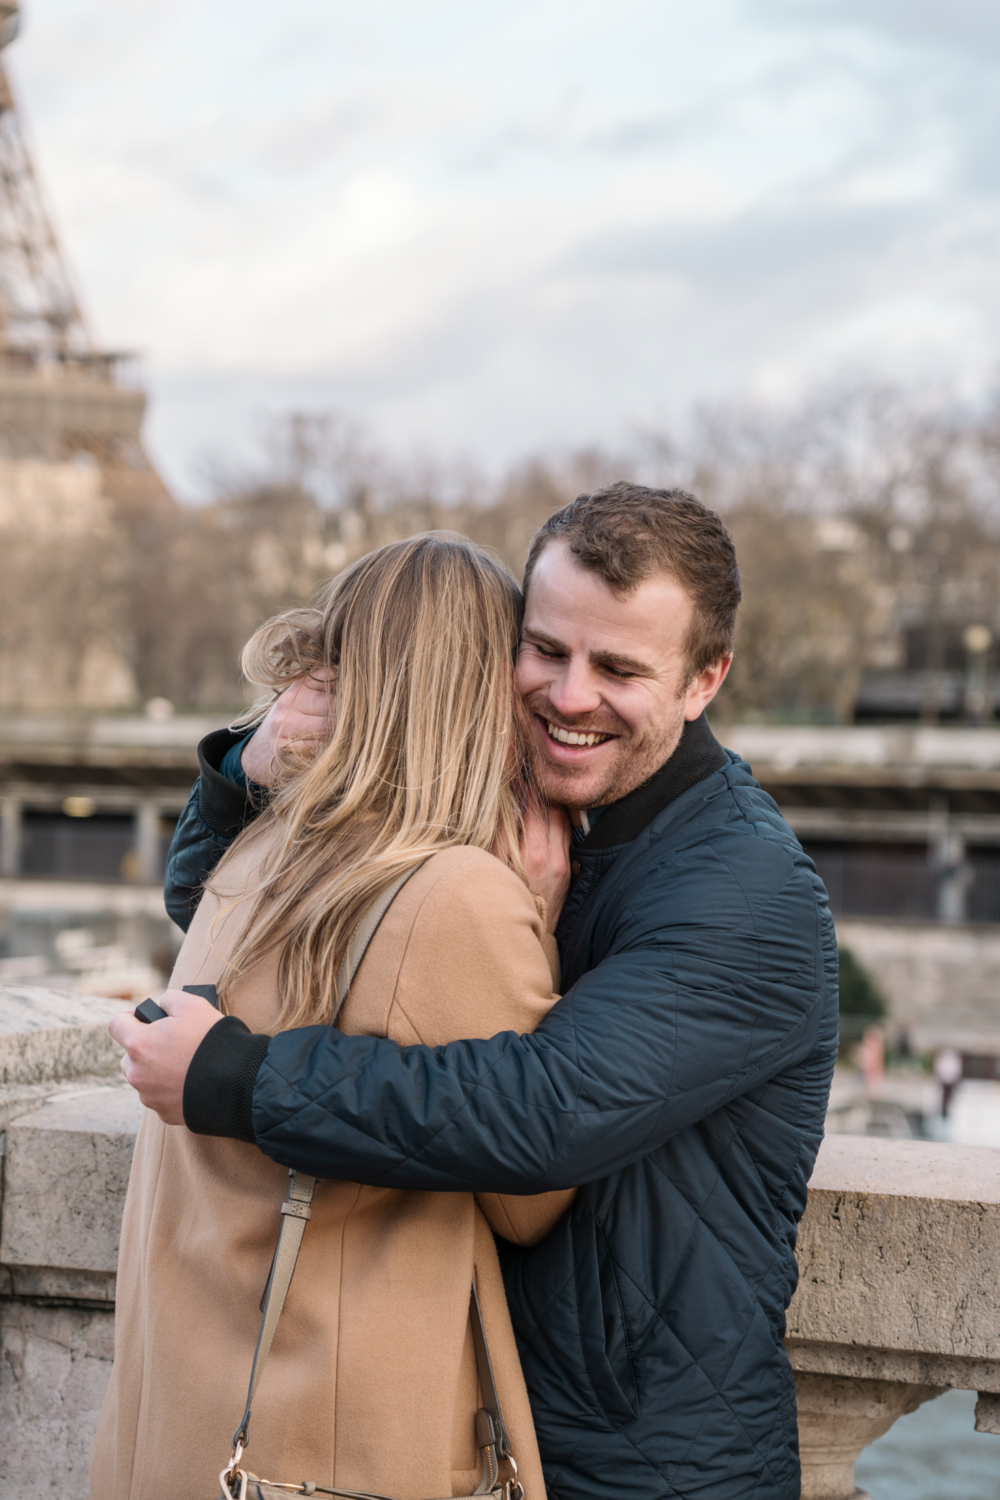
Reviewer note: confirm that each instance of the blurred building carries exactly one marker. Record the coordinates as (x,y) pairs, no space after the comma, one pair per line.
(903,824)
(902,821)
(87,809)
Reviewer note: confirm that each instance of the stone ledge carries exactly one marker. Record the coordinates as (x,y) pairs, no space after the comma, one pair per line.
(898,1251)
(902,1366)
(898,1297)
(48,1284)
(65,1176)
(47,1036)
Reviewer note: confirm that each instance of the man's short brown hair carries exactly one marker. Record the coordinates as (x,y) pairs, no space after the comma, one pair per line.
(627,532)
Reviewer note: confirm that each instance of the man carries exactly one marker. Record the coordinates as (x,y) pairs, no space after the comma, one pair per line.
(682,1080)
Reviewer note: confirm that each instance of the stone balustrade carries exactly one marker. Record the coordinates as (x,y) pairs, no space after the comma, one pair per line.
(898,1298)
(67,1128)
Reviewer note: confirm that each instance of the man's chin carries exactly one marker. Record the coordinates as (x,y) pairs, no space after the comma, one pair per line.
(571,788)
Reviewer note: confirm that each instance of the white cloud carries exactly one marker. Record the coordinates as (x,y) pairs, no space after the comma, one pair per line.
(490,228)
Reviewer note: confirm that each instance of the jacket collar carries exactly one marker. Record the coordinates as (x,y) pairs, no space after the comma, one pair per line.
(697,755)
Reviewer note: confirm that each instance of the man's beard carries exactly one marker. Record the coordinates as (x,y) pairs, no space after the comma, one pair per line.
(636,757)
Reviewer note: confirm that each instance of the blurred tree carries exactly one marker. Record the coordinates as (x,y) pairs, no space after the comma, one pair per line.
(867,526)
(859,994)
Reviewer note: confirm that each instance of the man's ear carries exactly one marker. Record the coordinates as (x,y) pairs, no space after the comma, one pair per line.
(703,688)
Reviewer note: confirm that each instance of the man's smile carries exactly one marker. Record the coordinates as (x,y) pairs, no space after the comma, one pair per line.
(573,739)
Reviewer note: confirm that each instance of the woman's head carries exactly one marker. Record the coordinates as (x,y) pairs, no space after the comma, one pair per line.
(427,749)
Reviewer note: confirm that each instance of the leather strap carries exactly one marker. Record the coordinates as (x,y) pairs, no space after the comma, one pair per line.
(491,1435)
(365,931)
(295,1211)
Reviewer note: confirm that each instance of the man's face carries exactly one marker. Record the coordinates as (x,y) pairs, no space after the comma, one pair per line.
(603,677)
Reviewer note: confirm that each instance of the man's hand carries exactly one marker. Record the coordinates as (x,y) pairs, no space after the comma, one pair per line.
(158,1055)
(300,715)
(545,840)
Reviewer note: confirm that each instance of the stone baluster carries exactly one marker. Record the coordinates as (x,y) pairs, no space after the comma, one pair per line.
(898,1298)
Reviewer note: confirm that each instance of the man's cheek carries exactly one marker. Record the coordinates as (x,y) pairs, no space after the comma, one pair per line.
(528,676)
(525,674)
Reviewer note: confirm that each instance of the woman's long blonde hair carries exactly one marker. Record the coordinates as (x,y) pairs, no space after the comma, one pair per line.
(428,751)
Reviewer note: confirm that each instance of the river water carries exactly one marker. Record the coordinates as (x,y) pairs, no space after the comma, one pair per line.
(934,1454)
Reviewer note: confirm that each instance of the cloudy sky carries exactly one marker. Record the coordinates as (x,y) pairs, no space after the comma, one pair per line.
(487,229)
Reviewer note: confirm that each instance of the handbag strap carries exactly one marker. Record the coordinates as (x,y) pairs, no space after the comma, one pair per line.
(297,1209)
(364,932)
(491,1434)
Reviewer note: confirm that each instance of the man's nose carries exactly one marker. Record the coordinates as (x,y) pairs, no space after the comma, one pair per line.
(575,690)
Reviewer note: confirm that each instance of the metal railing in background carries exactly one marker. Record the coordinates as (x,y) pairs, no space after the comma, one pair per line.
(909,884)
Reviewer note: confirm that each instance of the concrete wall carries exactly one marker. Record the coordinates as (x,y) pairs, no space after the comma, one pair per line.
(67,1128)
(942,983)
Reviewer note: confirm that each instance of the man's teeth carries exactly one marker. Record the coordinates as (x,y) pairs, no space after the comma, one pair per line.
(573,737)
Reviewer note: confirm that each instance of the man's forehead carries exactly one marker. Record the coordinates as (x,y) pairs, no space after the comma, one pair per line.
(573,605)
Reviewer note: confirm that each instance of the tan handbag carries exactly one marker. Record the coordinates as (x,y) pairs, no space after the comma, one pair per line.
(238,1483)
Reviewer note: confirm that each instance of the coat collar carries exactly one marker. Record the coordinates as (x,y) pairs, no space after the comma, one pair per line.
(697,755)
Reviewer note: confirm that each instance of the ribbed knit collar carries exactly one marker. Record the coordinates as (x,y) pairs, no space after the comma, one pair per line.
(697,755)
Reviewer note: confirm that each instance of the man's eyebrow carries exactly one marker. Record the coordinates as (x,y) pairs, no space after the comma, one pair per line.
(621,663)
(540,638)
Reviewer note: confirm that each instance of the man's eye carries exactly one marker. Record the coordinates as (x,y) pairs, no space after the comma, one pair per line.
(620,672)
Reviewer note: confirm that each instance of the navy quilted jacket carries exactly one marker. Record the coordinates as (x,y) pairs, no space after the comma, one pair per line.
(683,1081)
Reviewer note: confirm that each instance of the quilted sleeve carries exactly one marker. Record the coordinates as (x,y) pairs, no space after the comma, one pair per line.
(194,853)
(213,815)
(719,974)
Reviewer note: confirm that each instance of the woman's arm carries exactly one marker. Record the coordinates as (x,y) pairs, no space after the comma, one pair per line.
(526,1220)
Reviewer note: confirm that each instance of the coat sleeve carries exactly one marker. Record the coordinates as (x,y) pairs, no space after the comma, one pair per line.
(720,974)
(213,815)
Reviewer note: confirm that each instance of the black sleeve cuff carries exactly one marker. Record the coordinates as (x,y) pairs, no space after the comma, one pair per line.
(218,1089)
(223,805)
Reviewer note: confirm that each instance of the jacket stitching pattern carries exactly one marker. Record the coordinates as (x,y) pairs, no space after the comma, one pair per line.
(621,1309)
(720,1395)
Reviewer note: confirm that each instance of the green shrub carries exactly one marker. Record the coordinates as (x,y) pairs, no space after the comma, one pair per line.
(859,994)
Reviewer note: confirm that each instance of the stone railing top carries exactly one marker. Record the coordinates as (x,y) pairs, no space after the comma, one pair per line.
(65,1174)
(48,1035)
(50,1040)
(26,1008)
(875,747)
(920,1170)
(181,731)
(898,1254)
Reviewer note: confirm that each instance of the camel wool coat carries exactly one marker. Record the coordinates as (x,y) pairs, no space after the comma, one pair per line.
(371,1382)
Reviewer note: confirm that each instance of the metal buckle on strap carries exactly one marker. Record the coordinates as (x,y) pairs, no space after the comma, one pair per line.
(233,1471)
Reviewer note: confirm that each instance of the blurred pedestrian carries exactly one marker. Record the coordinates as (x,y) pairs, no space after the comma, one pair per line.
(871,1059)
(948,1070)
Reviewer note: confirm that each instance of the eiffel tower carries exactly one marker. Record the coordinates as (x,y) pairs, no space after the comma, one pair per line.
(75,480)
(59,394)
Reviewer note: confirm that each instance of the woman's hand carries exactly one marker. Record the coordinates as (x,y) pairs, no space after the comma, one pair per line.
(301,715)
(545,840)
(158,1054)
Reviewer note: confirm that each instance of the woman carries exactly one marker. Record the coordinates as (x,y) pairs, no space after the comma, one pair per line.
(371,1382)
